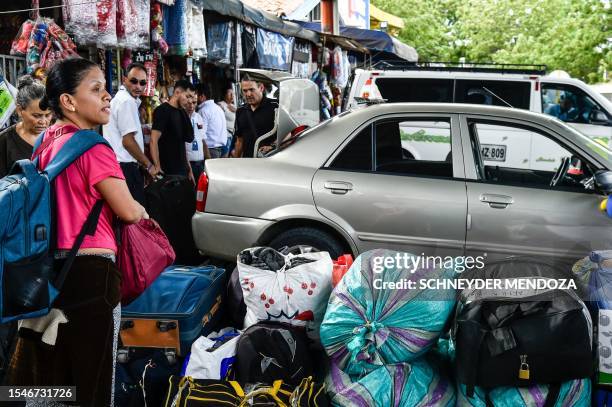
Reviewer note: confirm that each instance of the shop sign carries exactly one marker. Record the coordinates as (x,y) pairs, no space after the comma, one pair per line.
(274,50)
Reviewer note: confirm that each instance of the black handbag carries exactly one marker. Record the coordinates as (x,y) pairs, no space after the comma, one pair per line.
(521,337)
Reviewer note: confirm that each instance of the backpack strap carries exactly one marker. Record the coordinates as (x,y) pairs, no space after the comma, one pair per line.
(553,394)
(78,144)
(89,228)
(38,143)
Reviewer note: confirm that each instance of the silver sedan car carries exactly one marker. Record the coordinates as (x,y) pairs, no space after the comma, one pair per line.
(433,179)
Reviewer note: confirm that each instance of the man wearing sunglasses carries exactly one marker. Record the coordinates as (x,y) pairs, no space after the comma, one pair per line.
(124,131)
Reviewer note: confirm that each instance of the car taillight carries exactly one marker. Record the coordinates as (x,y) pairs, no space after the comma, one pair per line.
(202,192)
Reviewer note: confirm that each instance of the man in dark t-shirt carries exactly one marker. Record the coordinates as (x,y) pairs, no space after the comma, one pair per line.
(171,130)
(253,119)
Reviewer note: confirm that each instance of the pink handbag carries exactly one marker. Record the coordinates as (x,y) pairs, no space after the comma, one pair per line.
(144,252)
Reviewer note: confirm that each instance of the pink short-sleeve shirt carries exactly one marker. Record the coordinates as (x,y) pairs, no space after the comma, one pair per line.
(75,190)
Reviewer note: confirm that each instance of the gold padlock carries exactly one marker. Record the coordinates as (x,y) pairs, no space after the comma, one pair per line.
(524,369)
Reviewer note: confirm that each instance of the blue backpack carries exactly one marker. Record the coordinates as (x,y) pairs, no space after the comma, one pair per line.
(28,282)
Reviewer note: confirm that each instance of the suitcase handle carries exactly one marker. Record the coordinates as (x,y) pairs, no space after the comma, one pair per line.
(127,325)
(165,326)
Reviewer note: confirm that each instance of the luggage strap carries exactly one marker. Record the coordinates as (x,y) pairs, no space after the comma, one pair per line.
(551,398)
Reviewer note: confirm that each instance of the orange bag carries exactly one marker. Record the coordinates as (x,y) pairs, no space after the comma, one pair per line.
(341,266)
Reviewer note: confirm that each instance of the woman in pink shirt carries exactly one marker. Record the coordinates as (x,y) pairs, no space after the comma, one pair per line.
(84,351)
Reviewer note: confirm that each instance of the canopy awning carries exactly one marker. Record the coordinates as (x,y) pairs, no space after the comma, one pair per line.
(259,18)
(373,40)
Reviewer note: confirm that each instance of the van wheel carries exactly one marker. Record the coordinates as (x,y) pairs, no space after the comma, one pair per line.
(318,240)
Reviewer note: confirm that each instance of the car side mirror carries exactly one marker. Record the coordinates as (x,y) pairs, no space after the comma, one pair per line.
(598,117)
(603,181)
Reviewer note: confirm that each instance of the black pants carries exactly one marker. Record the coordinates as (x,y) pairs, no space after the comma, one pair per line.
(83,352)
(134,180)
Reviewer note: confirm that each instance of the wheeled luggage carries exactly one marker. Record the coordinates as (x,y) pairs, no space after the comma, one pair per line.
(171,202)
(181,304)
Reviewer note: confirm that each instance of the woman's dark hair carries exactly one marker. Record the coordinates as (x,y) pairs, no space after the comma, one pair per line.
(28,90)
(64,77)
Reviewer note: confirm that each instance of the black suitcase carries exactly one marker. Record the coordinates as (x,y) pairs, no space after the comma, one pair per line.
(171,202)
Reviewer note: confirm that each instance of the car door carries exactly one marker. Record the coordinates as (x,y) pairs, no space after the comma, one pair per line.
(573,106)
(398,183)
(513,209)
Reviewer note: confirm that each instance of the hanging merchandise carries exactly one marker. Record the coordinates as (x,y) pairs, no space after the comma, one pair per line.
(107,23)
(167,2)
(81,20)
(175,28)
(274,50)
(133,24)
(239,60)
(320,78)
(248,41)
(157,28)
(7,102)
(341,67)
(45,43)
(301,60)
(195,29)
(219,42)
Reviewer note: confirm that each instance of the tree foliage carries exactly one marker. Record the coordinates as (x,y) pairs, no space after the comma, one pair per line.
(572,35)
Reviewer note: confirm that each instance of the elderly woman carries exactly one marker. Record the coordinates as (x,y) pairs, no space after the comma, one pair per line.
(16,142)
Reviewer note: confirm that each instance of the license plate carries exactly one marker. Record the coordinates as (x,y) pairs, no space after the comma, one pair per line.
(493,152)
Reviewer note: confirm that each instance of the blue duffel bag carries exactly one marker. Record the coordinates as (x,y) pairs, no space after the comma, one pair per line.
(190,296)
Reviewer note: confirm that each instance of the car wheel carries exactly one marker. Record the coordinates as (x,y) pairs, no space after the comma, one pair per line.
(315,239)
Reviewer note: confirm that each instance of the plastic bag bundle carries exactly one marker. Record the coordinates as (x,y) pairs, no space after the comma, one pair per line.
(366,326)
(396,385)
(46,44)
(175,27)
(600,279)
(20,43)
(575,393)
(133,23)
(291,289)
(212,356)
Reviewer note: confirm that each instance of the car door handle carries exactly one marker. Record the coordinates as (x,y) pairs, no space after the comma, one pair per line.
(338,187)
(497,201)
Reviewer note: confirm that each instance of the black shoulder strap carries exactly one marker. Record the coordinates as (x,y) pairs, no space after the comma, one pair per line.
(89,228)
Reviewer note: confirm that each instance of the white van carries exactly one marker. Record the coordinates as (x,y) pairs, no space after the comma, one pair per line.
(518,86)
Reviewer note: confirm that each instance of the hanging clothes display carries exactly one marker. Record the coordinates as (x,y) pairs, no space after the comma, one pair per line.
(195,30)
(175,28)
(133,24)
(248,41)
(219,42)
(111,23)
(107,23)
(274,50)
(341,67)
(302,55)
(81,20)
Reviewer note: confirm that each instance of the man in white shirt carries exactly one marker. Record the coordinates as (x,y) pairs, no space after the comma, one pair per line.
(124,131)
(214,120)
(197,150)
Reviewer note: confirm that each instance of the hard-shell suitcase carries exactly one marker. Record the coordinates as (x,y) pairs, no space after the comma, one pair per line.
(181,304)
(171,202)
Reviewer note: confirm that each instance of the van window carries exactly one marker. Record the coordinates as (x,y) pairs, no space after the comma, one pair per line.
(415,90)
(569,104)
(495,93)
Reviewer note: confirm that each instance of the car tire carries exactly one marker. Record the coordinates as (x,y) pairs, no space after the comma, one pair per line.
(305,236)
